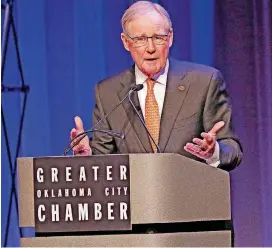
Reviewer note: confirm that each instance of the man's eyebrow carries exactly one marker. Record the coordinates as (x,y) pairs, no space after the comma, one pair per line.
(144,34)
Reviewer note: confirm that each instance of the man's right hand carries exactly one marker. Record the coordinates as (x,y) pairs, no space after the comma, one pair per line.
(83,147)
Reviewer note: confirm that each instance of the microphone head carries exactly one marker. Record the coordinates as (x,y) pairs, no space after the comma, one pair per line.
(122,135)
(137,87)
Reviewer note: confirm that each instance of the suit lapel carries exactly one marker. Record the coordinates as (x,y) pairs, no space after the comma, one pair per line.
(176,91)
(132,119)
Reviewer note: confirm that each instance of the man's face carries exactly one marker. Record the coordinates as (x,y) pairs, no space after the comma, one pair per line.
(150,58)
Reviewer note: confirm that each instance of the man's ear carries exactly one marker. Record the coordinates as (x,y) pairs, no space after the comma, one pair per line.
(171,37)
(125,41)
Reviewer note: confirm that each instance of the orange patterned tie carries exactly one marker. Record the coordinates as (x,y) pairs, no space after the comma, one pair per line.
(152,116)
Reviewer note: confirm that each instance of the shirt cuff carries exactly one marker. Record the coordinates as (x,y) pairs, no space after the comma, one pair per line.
(214,160)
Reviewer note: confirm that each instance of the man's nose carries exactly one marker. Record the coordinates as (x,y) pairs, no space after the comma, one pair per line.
(150,45)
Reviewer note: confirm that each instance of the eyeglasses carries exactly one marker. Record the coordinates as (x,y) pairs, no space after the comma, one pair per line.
(158,39)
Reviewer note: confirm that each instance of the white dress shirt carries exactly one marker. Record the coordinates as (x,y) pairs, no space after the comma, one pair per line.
(159,91)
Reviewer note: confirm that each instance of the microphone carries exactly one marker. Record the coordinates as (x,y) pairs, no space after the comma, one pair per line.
(132,89)
(142,121)
(109,132)
(119,135)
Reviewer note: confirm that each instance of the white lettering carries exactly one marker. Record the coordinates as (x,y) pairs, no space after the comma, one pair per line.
(45,192)
(59,193)
(123,211)
(52,193)
(89,192)
(83,213)
(109,178)
(125,190)
(68,213)
(73,192)
(110,211)
(107,191)
(55,212)
(81,192)
(95,168)
(68,174)
(40,178)
(39,193)
(97,211)
(123,172)
(54,175)
(41,216)
(82,174)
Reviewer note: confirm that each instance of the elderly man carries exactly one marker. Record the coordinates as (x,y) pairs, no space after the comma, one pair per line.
(185,106)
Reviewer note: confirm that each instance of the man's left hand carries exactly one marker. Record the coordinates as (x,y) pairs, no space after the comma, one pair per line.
(204,148)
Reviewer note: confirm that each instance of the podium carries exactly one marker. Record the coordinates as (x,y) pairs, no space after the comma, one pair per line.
(172,201)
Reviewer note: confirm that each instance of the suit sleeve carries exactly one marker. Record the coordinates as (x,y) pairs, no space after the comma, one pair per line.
(218,108)
(101,143)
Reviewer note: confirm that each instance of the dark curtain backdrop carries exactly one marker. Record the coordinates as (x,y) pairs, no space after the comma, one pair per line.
(67,46)
(243,52)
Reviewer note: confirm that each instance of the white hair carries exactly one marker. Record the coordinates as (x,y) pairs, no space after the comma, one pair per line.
(144,8)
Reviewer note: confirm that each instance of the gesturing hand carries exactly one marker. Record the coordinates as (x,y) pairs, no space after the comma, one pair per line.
(204,148)
(83,147)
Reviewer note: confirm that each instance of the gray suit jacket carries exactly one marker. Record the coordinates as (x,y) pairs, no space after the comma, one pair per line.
(194,107)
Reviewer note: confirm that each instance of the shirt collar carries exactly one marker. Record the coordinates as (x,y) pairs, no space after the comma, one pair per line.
(160,77)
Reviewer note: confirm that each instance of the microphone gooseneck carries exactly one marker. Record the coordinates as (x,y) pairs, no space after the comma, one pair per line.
(119,135)
(109,132)
(142,121)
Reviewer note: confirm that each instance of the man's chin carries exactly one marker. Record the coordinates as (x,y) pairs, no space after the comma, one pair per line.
(150,72)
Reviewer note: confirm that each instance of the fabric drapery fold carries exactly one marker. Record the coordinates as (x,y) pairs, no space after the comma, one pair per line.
(243,53)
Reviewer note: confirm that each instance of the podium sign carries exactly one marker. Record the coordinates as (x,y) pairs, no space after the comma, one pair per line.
(72,195)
